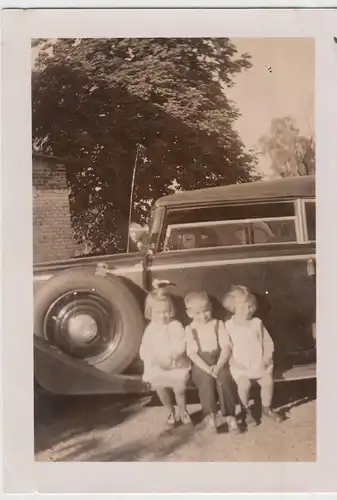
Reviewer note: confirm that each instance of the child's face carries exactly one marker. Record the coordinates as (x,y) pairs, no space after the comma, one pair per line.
(161,312)
(200,312)
(242,309)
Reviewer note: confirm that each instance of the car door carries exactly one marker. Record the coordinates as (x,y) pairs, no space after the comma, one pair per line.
(266,246)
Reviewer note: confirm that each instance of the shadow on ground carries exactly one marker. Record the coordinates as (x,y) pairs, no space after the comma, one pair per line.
(61,418)
(287,396)
(73,425)
(154,449)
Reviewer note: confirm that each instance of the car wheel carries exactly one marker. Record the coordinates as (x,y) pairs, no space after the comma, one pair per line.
(93,318)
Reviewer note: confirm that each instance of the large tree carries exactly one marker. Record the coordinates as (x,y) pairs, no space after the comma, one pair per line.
(98,102)
(290,153)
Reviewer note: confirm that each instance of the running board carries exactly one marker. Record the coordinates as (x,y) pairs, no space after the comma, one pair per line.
(61,374)
(299,372)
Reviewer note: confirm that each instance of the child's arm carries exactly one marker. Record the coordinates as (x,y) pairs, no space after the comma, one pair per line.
(268,346)
(178,344)
(145,350)
(225,345)
(192,352)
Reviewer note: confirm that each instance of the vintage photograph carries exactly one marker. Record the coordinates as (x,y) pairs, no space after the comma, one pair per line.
(174,244)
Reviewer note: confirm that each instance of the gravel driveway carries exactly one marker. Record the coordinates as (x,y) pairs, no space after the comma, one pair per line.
(110,428)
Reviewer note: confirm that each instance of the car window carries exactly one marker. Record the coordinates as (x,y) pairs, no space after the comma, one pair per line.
(230,226)
(310,212)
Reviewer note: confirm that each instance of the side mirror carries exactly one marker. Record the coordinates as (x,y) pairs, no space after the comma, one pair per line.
(138,234)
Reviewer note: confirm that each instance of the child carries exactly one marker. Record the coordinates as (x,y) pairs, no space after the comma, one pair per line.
(208,347)
(163,351)
(252,350)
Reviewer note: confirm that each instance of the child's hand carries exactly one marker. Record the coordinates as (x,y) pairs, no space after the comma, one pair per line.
(267,363)
(214,371)
(166,362)
(207,369)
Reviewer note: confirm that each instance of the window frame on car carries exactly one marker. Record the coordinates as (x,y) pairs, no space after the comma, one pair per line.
(299,217)
(303,202)
(211,224)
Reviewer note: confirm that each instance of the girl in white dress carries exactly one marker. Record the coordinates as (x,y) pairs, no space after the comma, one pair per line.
(252,350)
(163,351)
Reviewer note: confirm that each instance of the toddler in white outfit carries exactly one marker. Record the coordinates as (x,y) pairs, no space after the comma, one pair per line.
(163,351)
(252,350)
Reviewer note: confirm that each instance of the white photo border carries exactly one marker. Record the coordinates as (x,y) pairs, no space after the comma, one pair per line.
(21,472)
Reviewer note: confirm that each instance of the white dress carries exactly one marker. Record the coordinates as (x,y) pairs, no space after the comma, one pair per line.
(163,351)
(252,349)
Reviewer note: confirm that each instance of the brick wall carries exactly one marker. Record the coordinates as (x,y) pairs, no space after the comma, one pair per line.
(52,231)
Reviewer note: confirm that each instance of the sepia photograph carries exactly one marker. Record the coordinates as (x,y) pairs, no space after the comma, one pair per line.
(168,278)
(174,236)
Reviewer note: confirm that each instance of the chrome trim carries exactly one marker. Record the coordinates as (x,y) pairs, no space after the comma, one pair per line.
(231,221)
(252,260)
(188,265)
(42,277)
(298,222)
(121,271)
(232,247)
(304,201)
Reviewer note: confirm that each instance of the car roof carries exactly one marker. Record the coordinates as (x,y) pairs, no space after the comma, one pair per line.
(289,187)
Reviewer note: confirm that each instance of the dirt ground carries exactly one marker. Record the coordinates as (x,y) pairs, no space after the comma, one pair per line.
(110,428)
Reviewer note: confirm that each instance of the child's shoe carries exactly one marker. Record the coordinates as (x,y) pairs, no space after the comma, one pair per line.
(171,418)
(211,421)
(272,414)
(249,419)
(185,418)
(233,427)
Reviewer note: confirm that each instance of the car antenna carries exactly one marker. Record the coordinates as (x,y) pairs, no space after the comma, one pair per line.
(131,194)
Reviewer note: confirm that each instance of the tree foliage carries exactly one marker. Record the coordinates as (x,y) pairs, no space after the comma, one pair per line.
(98,101)
(290,153)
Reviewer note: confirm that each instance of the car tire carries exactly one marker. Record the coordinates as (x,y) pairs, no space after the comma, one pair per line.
(115,312)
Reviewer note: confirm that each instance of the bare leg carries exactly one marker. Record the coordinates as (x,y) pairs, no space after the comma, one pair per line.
(267,388)
(244,385)
(165,397)
(180,396)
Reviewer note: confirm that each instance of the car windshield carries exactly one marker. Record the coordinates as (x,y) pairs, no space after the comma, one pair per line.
(150,220)
(153,223)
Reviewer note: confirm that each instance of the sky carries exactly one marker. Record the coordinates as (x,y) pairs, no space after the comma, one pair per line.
(280,83)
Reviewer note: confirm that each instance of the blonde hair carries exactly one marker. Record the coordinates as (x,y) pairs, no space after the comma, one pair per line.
(155,296)
(239,292)
(193,297)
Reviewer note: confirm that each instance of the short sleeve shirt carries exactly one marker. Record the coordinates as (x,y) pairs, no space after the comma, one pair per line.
(207,336)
